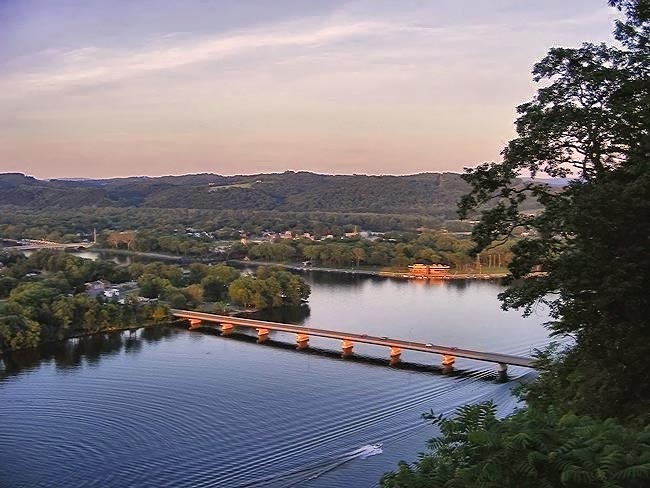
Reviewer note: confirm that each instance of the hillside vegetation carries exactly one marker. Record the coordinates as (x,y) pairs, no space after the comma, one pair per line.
(433,194)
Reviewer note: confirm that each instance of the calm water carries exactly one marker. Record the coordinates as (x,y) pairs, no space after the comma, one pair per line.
(170,408)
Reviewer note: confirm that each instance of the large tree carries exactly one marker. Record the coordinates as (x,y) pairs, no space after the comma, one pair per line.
(589,123)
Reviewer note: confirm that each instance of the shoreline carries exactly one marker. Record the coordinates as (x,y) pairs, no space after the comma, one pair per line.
(370,272)
(300,267)
(88,334)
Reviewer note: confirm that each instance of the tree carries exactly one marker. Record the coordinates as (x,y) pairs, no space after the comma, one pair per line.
(177,299)
(198,271)
(296,290)
(7,283)
(159,313)
(242,291)
(63,310)
(591,241)
(427,256)
(18,331)
(213,288)
(359,255)
(194,294)
(531,449)
(591,122)
(152,286)
(269,287)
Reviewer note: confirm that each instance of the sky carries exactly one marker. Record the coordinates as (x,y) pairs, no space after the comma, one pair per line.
(107,88)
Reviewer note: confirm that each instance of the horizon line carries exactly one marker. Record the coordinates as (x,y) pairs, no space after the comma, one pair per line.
(82,178)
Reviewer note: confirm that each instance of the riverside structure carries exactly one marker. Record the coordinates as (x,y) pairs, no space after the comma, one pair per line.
(227,325)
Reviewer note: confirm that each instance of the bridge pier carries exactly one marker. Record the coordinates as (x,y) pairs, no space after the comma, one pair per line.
(447,363)
(502,369)
(194,323)
(395,355)
(302,341)
(346,348)
(227,329)
(262,334)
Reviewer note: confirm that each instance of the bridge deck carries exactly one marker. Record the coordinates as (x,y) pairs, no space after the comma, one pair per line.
(33,244)
(367,339)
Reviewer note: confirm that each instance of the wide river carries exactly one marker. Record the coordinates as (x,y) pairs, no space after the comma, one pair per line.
(167,407)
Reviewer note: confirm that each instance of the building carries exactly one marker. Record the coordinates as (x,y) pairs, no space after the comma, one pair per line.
(105,289)
(96,288)
(429,270)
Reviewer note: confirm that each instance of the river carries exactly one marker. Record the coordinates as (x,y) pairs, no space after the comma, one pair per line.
(167,407)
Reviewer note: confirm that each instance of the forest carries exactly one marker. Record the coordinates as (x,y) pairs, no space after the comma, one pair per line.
(426,194)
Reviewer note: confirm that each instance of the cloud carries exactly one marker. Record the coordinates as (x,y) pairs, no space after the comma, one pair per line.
(91,65)
(374,36)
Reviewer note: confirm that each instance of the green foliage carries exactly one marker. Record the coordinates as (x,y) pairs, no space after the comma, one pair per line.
(16,330)
(7,283)
(158,313)
(530,448)
(269,287)
(149,241)
(46,300)
(591,239)
(214,279)
(587,420)
(394,249)
(153,286)
(246,291)
(278,252)
(431,194)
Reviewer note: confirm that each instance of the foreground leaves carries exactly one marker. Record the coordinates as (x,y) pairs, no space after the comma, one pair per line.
(531,449)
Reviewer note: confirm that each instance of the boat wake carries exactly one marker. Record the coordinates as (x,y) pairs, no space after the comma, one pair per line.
(366,451)
(302,475)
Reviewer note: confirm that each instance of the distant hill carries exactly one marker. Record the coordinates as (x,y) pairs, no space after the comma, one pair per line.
(431,194)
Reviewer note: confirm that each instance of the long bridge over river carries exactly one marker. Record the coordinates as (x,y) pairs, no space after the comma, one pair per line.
(227,325)
(35,244)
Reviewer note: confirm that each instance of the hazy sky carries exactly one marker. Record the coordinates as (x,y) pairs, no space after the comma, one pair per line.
(99,88)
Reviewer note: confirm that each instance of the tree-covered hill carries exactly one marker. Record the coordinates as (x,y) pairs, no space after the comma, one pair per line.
(433,194)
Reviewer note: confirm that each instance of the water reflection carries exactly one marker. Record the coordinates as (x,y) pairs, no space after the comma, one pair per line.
(287,315)
(335,280)
(88,350)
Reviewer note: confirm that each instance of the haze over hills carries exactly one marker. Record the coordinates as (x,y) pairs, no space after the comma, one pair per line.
(433,194)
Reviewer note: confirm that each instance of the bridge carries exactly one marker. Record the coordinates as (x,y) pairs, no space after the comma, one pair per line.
(449,354)
(34,244)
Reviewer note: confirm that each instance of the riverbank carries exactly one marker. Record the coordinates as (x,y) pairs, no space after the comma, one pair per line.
(130,327)
(373,272)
